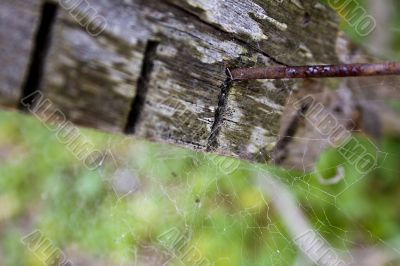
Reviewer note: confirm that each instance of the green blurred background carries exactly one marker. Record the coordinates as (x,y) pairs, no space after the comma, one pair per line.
(121,213)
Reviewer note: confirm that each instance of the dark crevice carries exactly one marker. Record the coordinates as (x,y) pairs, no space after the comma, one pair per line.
(142,87)
(38,57)
(280,153)
(306,19)
(219,114)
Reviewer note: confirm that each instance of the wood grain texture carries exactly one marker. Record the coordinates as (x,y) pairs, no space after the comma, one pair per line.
(19,20)
(158,71)
(94,80)
(290,32)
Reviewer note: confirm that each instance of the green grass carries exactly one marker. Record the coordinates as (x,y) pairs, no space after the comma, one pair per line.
(226,218)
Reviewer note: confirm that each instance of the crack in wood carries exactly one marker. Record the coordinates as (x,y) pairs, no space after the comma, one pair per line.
(142,87)
(227,34)
(280,153)
(42,43)
(226,87)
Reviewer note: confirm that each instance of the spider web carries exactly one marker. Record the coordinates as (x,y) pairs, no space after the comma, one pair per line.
(189,212)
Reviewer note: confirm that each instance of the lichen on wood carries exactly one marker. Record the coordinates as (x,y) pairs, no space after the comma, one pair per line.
(158,68)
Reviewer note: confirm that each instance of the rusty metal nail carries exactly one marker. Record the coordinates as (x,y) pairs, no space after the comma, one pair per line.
(316,71)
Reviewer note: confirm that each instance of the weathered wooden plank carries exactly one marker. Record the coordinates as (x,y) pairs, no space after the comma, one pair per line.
(158,71)
(19,21)
(94,80)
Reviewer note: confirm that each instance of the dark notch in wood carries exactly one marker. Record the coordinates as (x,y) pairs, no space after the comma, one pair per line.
(36,67)
(142,87)
(280,153)
(219,114)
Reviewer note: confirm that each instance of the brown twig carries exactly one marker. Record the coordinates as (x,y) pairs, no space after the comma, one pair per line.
(317,71)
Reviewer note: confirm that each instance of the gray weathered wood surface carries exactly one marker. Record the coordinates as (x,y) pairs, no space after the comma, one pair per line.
(18,23)
(158,69)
